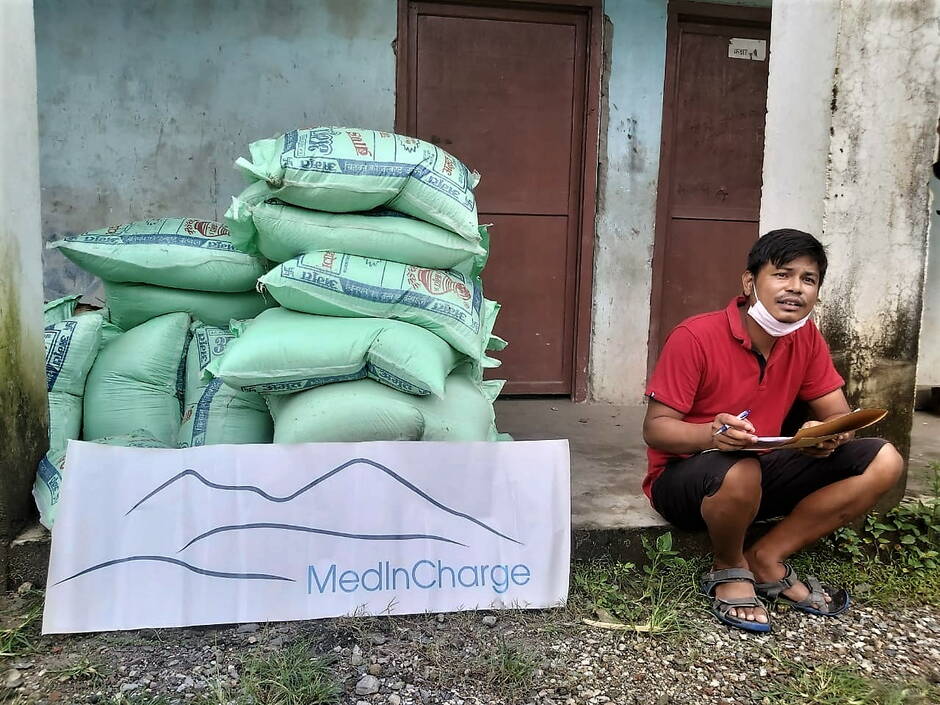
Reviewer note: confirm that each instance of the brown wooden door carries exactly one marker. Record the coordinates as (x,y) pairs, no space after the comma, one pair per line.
(504,89)
(710,175)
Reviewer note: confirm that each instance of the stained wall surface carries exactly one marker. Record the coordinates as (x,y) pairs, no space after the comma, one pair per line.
(145,105)
(869,197)
(23,422)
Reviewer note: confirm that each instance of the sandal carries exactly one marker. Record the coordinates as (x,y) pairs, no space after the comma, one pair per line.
(720,607)
(815,603)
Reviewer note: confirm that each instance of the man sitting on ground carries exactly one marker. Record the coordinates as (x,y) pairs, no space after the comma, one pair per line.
(759,355)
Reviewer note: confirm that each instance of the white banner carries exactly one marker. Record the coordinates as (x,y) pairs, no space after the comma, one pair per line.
(255,533)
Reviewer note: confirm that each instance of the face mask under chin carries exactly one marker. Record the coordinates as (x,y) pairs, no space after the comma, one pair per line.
(771,325)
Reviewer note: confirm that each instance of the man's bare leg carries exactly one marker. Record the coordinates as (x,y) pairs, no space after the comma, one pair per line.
(820,513)
(728,513)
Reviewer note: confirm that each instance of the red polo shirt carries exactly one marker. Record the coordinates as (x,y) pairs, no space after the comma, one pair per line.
(707,367)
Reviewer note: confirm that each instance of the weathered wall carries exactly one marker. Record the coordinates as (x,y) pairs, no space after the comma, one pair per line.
(631,130)
(883,101)
(928,360)
(799,114)
(885,107)
(628,174)
(22,371)
(145,105)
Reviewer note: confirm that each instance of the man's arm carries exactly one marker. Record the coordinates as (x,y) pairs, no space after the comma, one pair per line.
(829,406)
(664,429)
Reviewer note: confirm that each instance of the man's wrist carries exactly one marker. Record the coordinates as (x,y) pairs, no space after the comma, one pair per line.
(708,441)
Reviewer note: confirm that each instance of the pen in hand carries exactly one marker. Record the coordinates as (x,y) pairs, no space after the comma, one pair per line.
(724,427)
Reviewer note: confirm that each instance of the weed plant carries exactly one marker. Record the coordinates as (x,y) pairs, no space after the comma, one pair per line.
(290,676)
(895,555)
(654,599)
(823,684)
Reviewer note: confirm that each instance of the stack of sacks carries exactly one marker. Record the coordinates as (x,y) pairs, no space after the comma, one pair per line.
(137,382)
(372,294)
(169,265)
(213,412)
(158,276)
(72,343)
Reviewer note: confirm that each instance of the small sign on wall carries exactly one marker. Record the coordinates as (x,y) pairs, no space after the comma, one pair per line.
(753,49)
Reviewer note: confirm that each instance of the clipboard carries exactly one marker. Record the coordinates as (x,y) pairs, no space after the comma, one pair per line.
(807,437)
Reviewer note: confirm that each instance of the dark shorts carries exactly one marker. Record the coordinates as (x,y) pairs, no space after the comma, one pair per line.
(787,476)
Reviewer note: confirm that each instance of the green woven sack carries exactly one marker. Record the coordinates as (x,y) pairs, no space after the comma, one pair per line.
(47,487)
(60,309)
(213,412)
(182,253)
(71,348)
(344,169)
(368,411)
(446,302)
(261,223)
(136,382)
(281,352)
(132,304)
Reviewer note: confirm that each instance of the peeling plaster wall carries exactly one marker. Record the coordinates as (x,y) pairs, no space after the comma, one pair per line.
(885,104)
(928,360)
(865,71)
(635,47)
(799,114)
(23,425)
(144,106)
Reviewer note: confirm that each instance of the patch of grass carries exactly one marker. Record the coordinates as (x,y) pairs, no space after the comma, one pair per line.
(839,685)
(507,668)
(907,536)
(290,676)
(896,555)
(17,640)
(653,600)
(83,670)
(871,581)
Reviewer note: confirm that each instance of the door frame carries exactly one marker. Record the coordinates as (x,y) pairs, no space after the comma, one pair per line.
(405,92)
(707,13)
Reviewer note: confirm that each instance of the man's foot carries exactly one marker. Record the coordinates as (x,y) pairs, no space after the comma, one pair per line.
(777,580)
(770,571)
(735,601)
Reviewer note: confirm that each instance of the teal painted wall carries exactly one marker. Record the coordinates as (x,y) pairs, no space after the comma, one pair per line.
(145,105)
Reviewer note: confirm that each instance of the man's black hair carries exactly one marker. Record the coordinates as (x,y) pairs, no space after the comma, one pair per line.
(782,246)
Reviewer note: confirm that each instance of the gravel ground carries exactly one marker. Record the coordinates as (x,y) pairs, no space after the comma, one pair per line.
(545,658)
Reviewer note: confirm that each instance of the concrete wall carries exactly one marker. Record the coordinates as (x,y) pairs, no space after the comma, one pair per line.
(883,100)
(928,360)
(885,107)
(799,114)
(635,44)
(145,105)
(631,131)
(22,373)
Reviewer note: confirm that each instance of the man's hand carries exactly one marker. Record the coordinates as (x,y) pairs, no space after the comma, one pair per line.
(824,449)
(740,433)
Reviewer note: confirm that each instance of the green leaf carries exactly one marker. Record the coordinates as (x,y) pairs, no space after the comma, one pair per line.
(664,543)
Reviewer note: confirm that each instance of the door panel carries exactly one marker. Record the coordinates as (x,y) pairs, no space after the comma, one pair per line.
(503,89)
(500,97)
(710,177)
(695,284)
(540,344)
